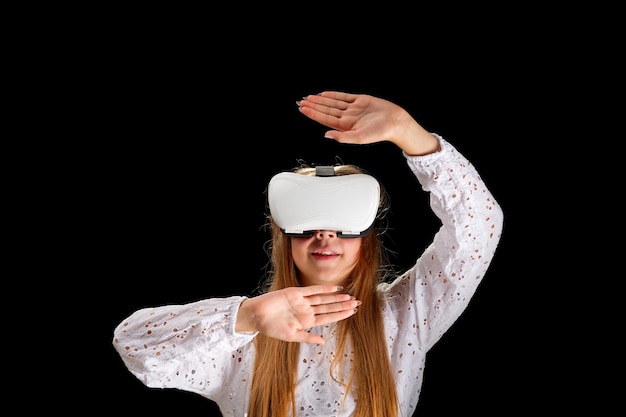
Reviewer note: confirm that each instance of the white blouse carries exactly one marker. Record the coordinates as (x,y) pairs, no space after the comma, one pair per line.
(194,347)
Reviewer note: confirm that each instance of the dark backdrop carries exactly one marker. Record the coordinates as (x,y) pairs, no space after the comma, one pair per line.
(188,135)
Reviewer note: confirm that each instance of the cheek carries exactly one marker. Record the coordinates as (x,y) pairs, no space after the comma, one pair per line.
(351,249)
(298,250)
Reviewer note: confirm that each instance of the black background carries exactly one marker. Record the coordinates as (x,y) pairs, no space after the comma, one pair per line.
(191,124)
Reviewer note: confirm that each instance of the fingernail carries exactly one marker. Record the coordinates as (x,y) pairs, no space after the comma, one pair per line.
(339,288)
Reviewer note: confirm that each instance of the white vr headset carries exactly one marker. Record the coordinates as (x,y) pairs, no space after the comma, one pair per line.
(301,204)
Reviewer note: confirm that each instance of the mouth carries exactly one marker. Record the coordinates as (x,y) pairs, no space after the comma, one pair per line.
(324,254)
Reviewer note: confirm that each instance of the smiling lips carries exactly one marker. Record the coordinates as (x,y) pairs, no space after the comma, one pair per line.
(324,254)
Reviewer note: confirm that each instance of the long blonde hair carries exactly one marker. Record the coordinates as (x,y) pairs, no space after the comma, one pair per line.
(371,377)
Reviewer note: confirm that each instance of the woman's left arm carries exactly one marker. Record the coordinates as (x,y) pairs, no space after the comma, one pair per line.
(447,274)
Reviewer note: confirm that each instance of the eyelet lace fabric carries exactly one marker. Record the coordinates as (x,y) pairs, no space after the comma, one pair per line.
(193,347)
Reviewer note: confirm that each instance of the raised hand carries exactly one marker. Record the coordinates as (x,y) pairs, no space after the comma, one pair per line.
(363,119)
(287,314)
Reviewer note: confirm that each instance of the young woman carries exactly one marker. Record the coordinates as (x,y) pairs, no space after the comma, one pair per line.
(331,335)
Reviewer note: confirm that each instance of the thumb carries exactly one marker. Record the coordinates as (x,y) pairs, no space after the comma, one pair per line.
(306,337)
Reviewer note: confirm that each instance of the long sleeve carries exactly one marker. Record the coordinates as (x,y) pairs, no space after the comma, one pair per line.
(192,347)
(447,274)
(427,299)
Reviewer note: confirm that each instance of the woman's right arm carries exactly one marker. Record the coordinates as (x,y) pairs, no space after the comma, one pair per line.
(159,344)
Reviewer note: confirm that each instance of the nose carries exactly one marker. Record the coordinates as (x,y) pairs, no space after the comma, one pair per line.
(321,234)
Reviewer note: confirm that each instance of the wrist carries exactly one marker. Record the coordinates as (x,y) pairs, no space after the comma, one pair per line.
(242,322)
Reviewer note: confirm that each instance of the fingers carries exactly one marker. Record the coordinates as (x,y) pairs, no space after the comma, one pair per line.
(328,306)
(323,319)
(320,114)
(337,95)
(337,110)
(329,105)
(334,307)
(326,302)
(330,311)
(325,299)
(319,289)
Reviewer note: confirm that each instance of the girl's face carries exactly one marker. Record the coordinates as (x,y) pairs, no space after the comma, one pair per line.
(325,258)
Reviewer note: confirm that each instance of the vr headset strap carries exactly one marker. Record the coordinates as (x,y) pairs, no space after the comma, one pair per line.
(324,171)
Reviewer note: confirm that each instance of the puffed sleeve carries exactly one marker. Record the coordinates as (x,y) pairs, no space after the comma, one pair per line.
(192,346)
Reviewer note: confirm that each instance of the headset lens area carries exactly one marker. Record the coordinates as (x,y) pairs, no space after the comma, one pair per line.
(310,233)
